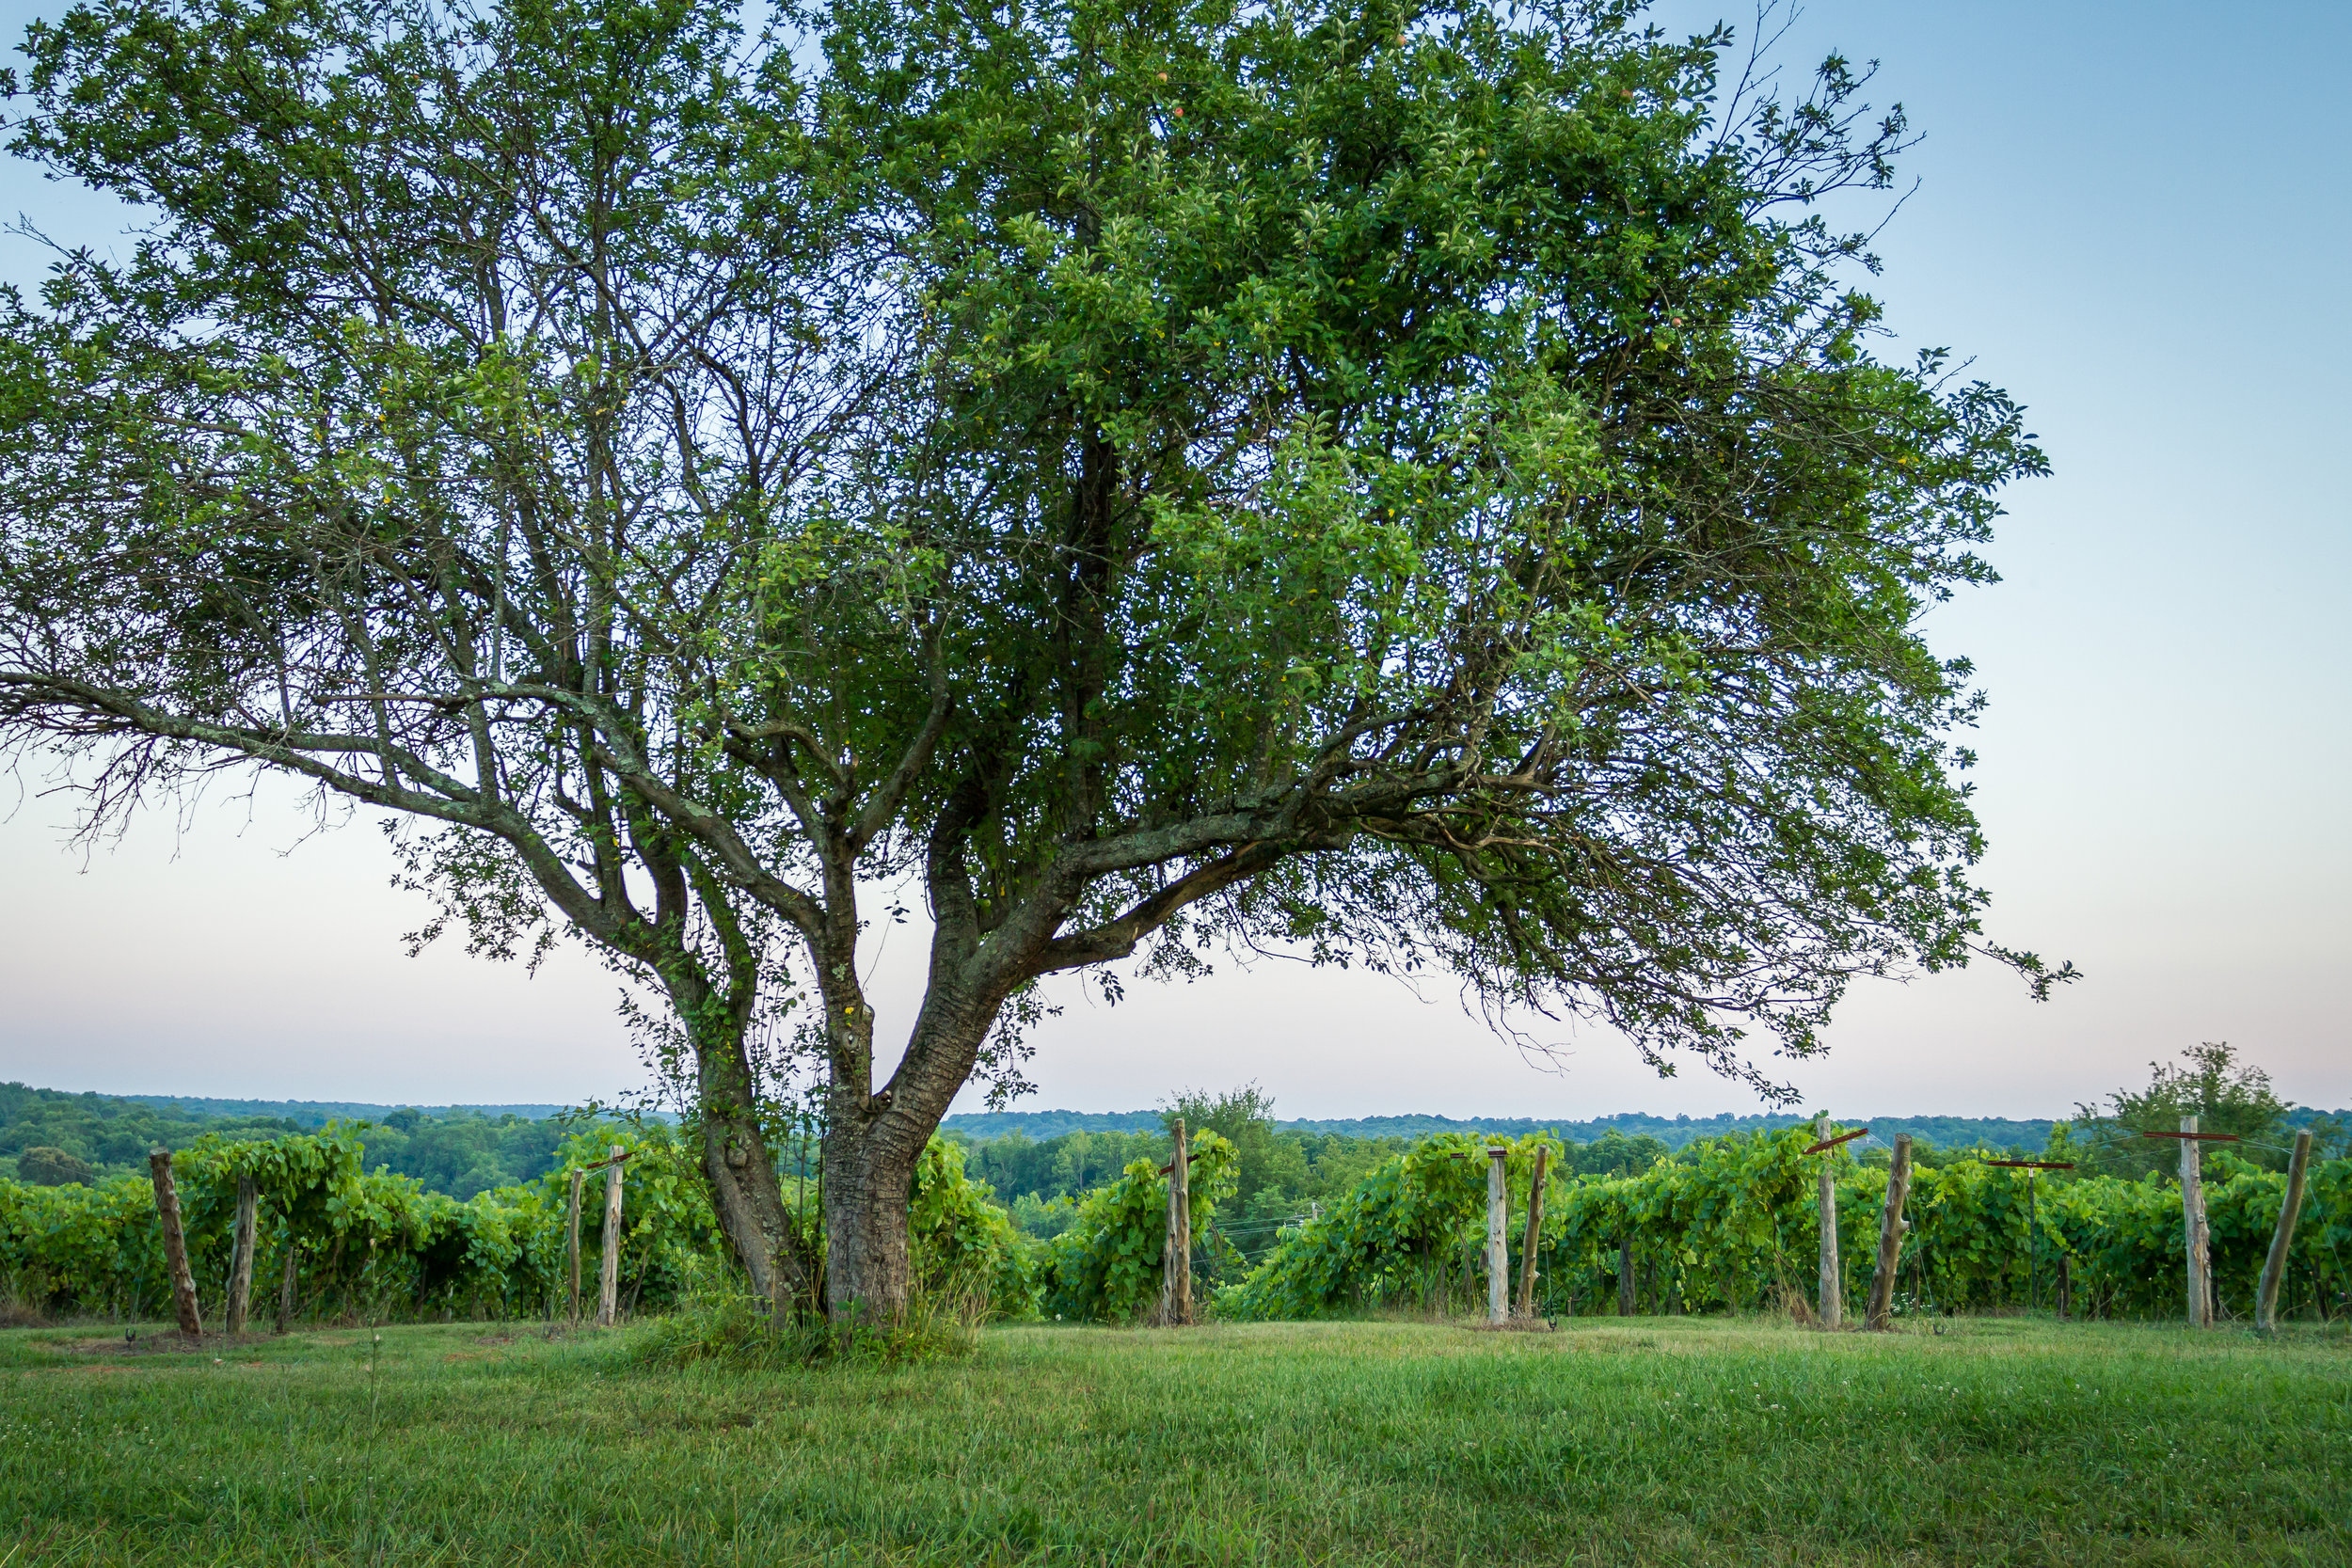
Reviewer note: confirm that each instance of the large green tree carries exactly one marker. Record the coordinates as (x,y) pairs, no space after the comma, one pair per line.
(1407,483)
(2227,1096)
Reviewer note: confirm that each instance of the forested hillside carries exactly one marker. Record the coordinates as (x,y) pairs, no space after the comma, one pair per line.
(48,1136)
(1672,1131)
(308,1114)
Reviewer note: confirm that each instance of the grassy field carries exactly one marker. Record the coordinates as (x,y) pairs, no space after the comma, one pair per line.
(1619,1441)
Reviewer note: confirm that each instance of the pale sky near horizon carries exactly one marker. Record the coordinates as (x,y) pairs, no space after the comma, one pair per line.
(2134,216)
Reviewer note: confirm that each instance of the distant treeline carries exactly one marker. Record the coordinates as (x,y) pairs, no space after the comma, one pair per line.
(1995,1132)
(307,1114)
(1673,1132)
(50,1138)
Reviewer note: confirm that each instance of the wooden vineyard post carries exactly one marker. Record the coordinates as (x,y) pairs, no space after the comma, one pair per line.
(1497,1237)
(571,1240)
(287,1298)
(1881,1314)
(1625,1277)
(2033,1242)
(1182,1176)
(2193,1229)
(1534,1233)
(1832,1287)
(1176,1253)
(175,1242)
(241,1257)
(2282,1239)
(609,1266)
(2065,1288)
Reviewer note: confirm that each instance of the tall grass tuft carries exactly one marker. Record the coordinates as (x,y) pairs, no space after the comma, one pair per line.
(718,1322)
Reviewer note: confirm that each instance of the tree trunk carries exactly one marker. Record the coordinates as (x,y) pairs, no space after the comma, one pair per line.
(868,1183)
(873,1141)
(745,1191)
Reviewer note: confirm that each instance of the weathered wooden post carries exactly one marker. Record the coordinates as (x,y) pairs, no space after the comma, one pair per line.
(2200,1244)
(2033,1241)
(175,1240)
(2065,1287)
(1497,1237)
(1832,1306)
(1534,1233)
(287,1298)
(241,1257)
(1176,1252)
(1882,1310)
(2282,1239)
(609,1266)
(571,1240)
(1625,1277)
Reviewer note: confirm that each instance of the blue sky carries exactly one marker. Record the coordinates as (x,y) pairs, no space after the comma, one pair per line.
(2135,216)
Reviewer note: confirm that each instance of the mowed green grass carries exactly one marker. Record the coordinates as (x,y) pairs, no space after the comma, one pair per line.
(1620,1441)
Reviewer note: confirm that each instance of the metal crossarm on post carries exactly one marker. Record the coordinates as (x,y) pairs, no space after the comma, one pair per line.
(1822,1129)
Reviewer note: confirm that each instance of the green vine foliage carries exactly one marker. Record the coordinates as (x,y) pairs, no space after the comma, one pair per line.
(1733,1225)
(374,1244)
(1108,1267)
(365,1243)
(1730,1225)
(967,1255)
(1397,1238)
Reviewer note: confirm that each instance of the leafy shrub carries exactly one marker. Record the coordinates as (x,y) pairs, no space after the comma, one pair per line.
(969,1262)
(44,1166)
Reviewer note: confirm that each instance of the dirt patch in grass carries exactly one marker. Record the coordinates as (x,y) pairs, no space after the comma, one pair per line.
(156,1344)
